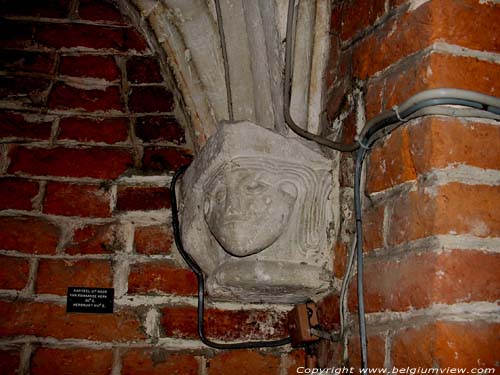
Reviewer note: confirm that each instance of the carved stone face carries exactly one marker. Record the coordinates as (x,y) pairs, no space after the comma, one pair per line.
(257,216)
(247,210)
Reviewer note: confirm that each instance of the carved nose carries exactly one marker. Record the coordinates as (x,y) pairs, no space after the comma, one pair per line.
(233,204)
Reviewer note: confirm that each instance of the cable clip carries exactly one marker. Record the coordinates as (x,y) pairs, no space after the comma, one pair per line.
(366,147)
(396,110)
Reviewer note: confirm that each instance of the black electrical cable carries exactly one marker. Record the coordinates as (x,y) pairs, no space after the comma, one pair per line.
(290,41)
(201,282)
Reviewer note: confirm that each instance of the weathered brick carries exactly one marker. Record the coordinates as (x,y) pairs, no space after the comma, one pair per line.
(440,142)
(466,23)
(153,239)
(71,361)
(89,36)
(17,193)
(244,362)
(354,20)
(89,66)
(15,34)
(26,90)
(443,210)
(95,239)
(26,61)
(35,8)
(390,162)
(15,125)
(240,325)
(374,97)
(63,96)
(165,159)
(28,235)
(50,320)
(439,70)
(420,280)
(161,277)
(99,10)
(340,259)
(294,360)
(328,312)
(107,130)
(144,99)
(158,362)
(142,198)
(448,344)
(159,128)
(14,272)
(9,362)
(376,351)
(82,162)
(373,227)
(144,70)
(76,200)
(55,276)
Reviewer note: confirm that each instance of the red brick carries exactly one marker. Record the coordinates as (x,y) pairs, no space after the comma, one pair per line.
(82,162)
(165,159)
(328,312)
(440,70)
(28,90)
(36,8)
(295,359)
(28,235)
(159,128)
(14,272)
(17,194)
(76,200)
(14,125)
(143,70)
(154,239)
(9,362)
(227,325)
(390,162)
(373,227)
(340,259)
(441,142)
(89,36)
(464,23)
(158,362)
(71,361)
(95,239)
(443,210)
(161,277)
(142,198)
(108,130)
(15,34)
(443,344)
(354,20)
(55,276)
(49,320)
(244,362)
(63,96)
(420,280)
(376,351)
(374,97)
(150,99)
(99,10)
(89,66)
(35,62)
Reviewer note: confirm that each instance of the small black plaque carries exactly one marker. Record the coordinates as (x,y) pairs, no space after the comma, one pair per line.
(90,300)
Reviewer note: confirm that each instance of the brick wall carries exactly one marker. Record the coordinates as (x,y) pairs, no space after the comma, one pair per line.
(431,224)
(90,133)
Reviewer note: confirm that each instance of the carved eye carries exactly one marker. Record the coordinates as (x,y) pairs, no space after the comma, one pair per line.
(255,187)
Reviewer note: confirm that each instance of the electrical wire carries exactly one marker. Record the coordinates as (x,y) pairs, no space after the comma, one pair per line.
(222,37)
(290,42)
(483,106)
(201,282)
